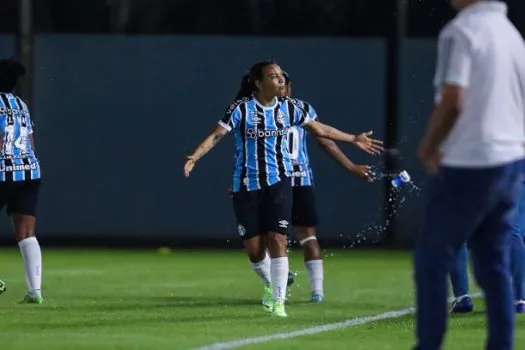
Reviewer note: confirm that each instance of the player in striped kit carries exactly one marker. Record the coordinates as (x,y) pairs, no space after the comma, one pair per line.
(304,212)
(20,175)
(262,191)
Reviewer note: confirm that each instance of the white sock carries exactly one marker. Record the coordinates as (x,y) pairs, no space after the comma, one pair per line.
(32,255)
(315,275)
(279,272)
(262,269)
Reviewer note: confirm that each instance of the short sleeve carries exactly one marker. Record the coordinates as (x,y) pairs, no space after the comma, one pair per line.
(454,61)
(300,116)
(311,111)
(232,117)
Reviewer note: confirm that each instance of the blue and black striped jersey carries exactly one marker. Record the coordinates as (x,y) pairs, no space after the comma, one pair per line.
(302,174)
(17,157)
(261,140)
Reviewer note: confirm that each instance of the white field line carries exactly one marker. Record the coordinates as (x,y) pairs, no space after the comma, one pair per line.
(233,344)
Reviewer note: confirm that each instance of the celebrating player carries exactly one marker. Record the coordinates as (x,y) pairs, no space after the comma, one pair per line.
(304,213)
(20,175)
(262,191)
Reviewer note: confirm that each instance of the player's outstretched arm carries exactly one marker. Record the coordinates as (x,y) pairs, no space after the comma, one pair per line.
(364,172)
(204,148)
(362,141)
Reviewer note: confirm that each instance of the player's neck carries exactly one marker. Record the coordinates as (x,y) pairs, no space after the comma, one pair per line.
(265,101)
(468,4)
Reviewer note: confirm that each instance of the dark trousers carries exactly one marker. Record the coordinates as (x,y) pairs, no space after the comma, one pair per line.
(478,205)
(517,255)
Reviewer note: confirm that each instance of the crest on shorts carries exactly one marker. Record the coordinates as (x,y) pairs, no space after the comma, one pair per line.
(241,229)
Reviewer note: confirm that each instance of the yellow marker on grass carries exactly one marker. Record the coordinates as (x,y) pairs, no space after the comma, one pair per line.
(164,250)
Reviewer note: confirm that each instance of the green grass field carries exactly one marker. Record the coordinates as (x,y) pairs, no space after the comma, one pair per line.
(186,300)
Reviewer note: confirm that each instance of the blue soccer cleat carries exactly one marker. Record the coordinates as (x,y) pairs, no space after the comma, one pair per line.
(317,298)
(462,306)
(520,308)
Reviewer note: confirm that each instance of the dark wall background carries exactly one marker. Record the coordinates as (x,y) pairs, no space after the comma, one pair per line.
(417,102)
(124,90)
(115,117)
(7,45)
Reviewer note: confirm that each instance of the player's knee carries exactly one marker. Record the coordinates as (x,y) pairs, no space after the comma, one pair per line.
(255,249)
(277,240)
(311,247)
(256,255)
(23,232)
(277,245)
(304,232)
(308,241)
(24,226)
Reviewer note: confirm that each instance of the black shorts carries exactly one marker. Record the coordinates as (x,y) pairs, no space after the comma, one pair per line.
(304,211)
(262,211)
(20,197)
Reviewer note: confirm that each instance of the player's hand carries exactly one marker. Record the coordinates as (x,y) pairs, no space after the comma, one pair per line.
(188,167)
(230,191)
(364,172)
(365,143)
(430,158)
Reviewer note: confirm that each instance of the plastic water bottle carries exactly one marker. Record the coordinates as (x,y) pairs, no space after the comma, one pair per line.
(401,179)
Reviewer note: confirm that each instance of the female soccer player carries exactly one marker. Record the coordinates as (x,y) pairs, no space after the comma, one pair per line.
(20,175)
(304,212)
(262,191)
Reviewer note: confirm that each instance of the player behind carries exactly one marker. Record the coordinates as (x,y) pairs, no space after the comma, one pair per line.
(20,175)
(462,303)
(304,212)
(262,191)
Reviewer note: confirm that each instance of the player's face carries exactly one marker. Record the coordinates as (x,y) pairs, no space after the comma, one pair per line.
(272,83)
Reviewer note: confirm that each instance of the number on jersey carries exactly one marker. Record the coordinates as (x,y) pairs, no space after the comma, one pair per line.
(293,143)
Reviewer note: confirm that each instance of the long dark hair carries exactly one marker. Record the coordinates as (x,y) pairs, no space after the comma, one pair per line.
(10,71)
(248,87)
(287,79)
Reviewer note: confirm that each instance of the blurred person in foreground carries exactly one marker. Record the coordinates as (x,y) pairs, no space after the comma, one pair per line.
(474,148)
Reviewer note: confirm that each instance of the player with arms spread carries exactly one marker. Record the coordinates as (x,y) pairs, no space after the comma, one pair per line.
(262,191)
(304,212)
(19,175)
